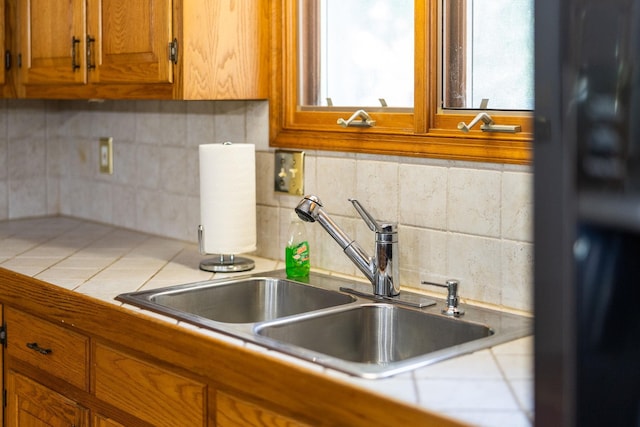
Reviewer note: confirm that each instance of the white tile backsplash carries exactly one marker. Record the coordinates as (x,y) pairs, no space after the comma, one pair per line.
(463,220)
(336,182)
(474,198)
(377,188)
(423,203)
(28,197)
(476,262)
(517,206)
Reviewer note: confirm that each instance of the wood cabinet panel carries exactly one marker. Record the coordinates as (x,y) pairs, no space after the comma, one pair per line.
(100,421)
(8,40)
(120,49)
(225,49)
(53,349)
(234,412)
(3,38)
(146,391)
(129,41)
(52,41)
(30,404)
(181,377)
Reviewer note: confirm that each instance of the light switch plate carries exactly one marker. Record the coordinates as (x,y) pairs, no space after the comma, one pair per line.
(289,172)
(105,155)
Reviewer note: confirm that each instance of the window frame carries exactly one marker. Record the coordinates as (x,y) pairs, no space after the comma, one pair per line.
(427,131)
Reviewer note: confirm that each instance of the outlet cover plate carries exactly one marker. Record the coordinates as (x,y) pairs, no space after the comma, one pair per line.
(105,155)
(289,172)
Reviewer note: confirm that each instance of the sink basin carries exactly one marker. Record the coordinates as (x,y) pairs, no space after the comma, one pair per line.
(378,334)
(324,322)
(247,300)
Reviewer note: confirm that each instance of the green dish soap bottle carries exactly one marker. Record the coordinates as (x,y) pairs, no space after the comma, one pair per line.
(296,254)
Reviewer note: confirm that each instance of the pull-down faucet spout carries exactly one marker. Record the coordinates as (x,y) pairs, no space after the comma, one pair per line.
(381,270)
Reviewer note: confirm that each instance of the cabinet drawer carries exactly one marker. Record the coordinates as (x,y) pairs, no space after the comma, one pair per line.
(54,349)
(149,392)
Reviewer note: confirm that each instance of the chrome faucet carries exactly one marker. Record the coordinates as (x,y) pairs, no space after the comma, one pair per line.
(381,270)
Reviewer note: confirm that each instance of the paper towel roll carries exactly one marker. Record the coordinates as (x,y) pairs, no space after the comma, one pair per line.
(228,198)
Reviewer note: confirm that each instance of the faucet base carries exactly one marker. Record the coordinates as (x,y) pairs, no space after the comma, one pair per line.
(408,299)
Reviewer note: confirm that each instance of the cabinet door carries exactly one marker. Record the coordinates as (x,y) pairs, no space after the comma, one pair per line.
(129,41)
(225,49)
(146,391)
(3,40)
(234,412)
(30,404)
(100,421)
(52,41)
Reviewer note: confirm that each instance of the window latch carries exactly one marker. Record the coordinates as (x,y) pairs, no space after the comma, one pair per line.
(487,125)
(487,122)
(364,122)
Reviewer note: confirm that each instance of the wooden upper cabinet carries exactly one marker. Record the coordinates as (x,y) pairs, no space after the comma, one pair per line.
(3,38)
(52,41)
(152,49)
(95,41)
(8,39)
(224,49)
(128,41)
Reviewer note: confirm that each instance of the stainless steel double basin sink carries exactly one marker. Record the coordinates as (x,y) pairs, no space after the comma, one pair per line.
(321,321)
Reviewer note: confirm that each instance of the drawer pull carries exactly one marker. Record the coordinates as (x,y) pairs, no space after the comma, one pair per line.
(35,347)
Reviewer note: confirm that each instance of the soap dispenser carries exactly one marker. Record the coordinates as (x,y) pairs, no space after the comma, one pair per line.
(297,250)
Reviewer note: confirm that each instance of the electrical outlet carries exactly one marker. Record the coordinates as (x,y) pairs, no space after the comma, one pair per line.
(289,172)
(106,155)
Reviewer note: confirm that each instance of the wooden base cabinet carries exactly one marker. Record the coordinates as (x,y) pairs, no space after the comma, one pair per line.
(100,421)
(58,351)
(30,404)
(232,411)
(71,360)
(147,391)
(141,392)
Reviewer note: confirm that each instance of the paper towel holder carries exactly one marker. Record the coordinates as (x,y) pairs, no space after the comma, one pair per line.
(222,263)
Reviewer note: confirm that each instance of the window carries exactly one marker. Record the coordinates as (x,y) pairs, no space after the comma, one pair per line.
(308,95)
(356,53)
(478,35)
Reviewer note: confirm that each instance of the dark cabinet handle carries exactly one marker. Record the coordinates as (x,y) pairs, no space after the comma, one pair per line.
(90,42)
(74,47)
(35,347)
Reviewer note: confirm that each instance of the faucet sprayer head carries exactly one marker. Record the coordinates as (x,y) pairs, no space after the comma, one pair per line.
(308,208)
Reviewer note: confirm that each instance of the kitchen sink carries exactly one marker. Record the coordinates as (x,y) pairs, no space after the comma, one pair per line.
(332,322)
(376,340)
(247,300)
(378,334)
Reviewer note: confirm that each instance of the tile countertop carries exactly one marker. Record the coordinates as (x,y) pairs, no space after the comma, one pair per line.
(492,387)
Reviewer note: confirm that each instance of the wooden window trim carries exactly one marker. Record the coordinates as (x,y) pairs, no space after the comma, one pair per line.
(456,34)
(311,63)
(427,131)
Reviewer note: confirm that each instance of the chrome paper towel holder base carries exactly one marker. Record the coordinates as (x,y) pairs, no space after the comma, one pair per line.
(222,263)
